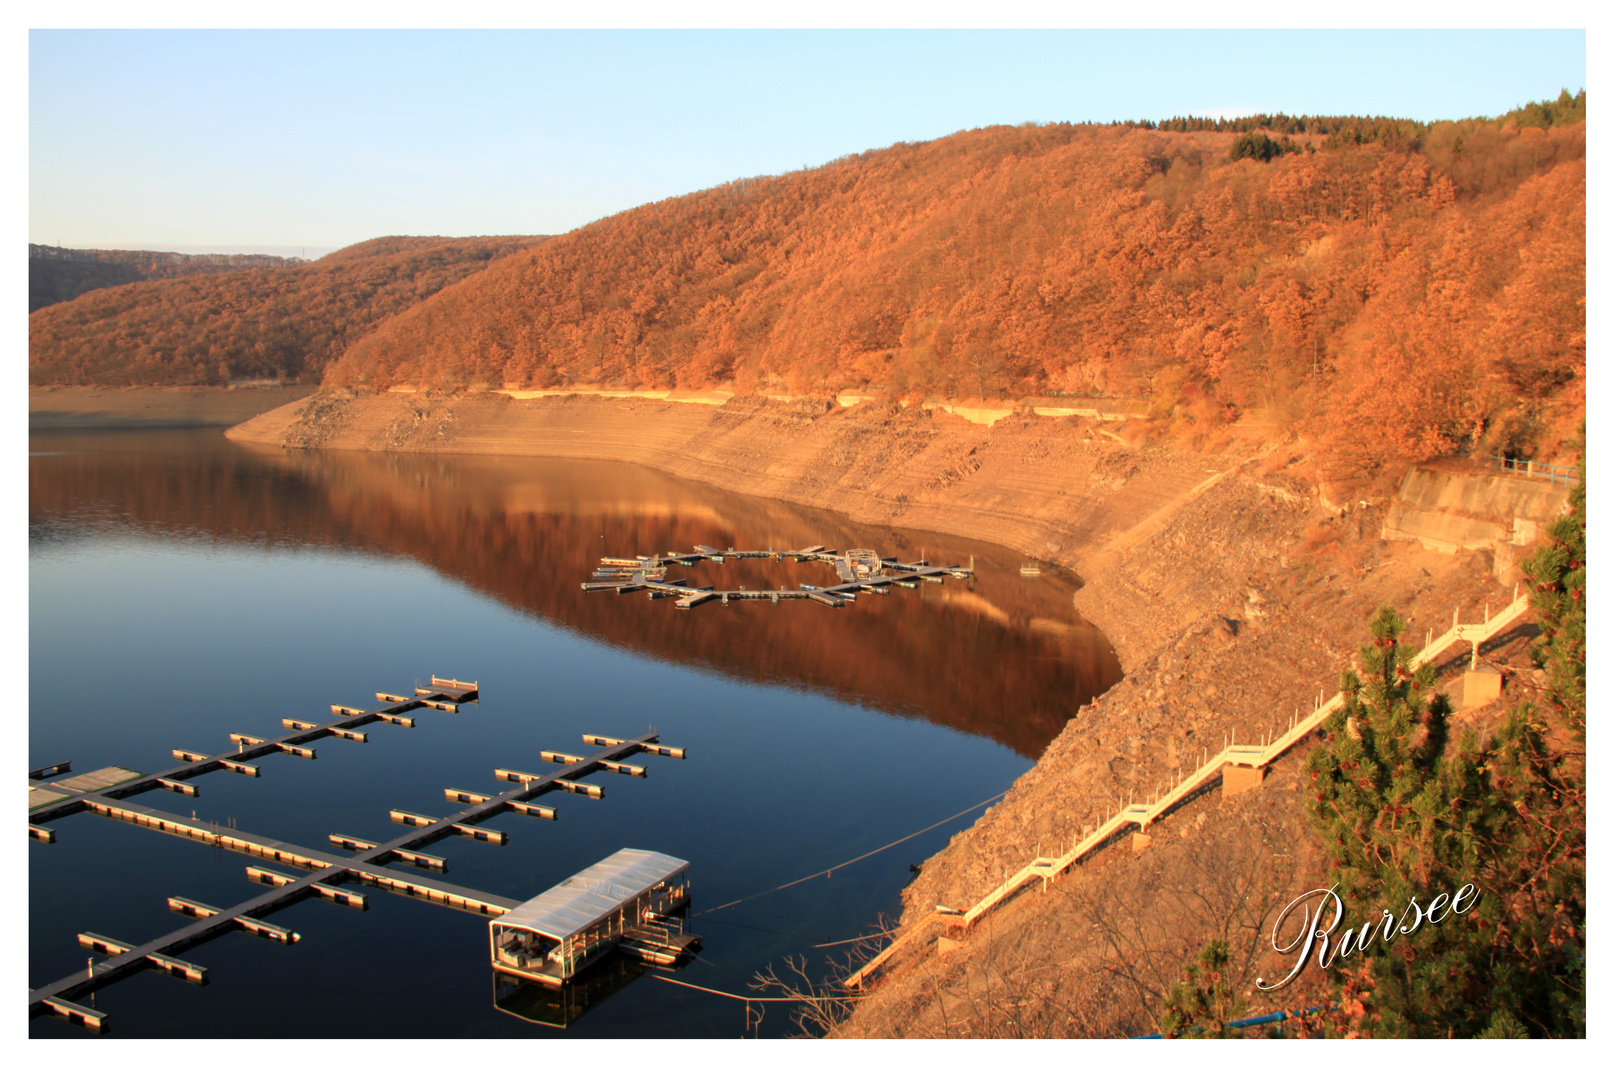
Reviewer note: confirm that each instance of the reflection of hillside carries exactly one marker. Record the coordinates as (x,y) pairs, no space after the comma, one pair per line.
(1008,659)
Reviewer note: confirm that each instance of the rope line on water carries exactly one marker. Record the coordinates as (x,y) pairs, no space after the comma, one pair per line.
(828,872)
(852,940)
(788,933)
(703,1019)
(739,997)
(761,929)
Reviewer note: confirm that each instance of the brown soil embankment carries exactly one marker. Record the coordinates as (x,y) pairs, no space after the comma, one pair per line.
(153,406)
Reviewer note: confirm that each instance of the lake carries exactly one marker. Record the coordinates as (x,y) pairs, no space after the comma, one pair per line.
(182,587)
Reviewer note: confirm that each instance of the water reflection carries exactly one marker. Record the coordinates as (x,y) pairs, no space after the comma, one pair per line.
(558,1008)
(1002,656)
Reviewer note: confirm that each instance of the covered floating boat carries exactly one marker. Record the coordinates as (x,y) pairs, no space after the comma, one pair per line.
(626,901)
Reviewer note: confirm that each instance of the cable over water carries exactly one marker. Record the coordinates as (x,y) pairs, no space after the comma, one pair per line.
(852,940)
(828,872)
(741,997)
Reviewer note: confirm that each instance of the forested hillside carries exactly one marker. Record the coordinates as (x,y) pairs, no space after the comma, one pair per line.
(56,274)
(1394,287)
(266,322)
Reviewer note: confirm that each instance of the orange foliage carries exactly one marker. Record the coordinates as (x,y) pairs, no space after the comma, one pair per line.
(1390,289)
(57,274)
(1398,300)
(268,322)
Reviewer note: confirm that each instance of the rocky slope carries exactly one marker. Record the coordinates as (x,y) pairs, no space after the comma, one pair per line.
(1240,609)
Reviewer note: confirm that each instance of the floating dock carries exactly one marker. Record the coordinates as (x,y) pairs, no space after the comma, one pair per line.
(42,792)
(859,570)
(627,901)
(300,873)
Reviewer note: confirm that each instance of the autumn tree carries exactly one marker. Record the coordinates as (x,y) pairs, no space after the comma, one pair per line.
(1392,290)
(274,319)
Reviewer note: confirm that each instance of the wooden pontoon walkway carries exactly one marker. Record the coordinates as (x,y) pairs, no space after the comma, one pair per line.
(858,571)
(444,695)
(301,873)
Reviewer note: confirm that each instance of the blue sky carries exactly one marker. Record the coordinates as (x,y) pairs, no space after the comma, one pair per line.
(241,140)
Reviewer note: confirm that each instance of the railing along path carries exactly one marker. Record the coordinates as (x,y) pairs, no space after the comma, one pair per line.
(1140,815)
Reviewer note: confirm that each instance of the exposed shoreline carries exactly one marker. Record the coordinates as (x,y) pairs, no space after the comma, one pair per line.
(1053,488)
(1229,589)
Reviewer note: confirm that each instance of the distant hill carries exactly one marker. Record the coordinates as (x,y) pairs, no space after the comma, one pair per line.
(279,319)
(56,274)
(1420,286)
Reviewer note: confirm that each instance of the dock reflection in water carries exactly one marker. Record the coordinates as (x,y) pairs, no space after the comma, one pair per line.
(535,1003)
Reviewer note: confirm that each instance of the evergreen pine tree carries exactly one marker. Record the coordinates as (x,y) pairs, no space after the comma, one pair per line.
(1200,1005)
(1405,816)
(1542,764)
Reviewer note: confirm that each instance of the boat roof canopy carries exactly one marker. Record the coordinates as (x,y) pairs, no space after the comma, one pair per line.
(593,893)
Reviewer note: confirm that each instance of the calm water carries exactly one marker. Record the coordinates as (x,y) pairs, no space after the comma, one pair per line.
(182,587)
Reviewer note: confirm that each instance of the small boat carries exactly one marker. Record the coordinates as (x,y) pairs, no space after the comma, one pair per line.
(1030,569)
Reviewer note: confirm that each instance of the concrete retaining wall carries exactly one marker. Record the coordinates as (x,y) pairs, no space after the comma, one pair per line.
(1453,512)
